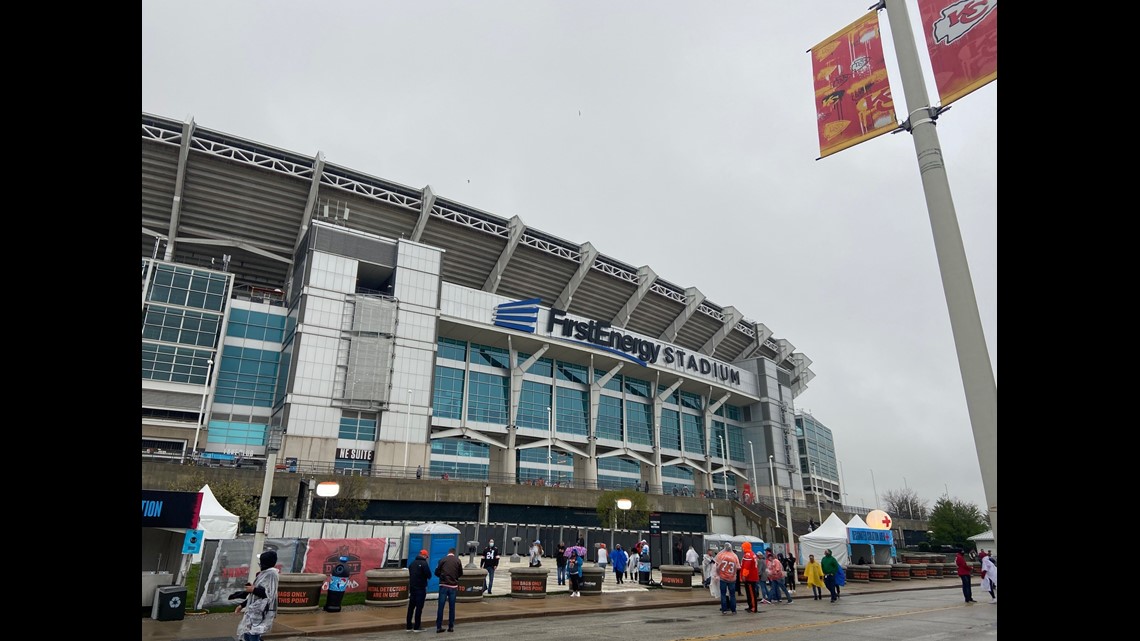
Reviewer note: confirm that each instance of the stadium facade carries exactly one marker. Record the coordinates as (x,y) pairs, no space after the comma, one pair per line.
(294,306)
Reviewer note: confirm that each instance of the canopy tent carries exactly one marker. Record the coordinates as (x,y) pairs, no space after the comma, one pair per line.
(985,541)
(874,546)
(830,535)
(215,520)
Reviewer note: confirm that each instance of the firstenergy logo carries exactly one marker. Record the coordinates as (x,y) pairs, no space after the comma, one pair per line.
(521,315)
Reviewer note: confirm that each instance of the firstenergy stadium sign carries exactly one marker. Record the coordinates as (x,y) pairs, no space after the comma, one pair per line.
(523,316)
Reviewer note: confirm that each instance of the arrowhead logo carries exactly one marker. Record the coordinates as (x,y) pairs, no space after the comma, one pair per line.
(521,315)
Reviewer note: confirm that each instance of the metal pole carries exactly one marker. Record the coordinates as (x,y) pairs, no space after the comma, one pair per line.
(875,489)
(772,475)
(755,477)
(978,378)
(791,533)
(549,455)
(263,512)
(724,455)
(407,419)
(201,409)
(815,490)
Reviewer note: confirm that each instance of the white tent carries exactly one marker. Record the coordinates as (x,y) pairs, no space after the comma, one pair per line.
(985,541)
(216,521)
(830,535)
(864,542)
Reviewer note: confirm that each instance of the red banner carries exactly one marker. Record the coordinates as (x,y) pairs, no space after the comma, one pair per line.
(961,37)
(363,555)
(852,96)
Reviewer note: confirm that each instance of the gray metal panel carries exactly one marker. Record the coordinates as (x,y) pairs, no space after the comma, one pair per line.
(263,208)
(376,315)
(363,248)
(654,315)
(171,400)
(369,368)
(159,169)
(697,331)
(469,256)
(732,345)
(365,214)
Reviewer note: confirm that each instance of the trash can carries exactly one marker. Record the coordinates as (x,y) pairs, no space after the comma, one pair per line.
(169,603)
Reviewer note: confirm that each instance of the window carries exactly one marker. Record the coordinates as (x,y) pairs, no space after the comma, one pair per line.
(693,431)
(452,349)
(614,384)
(487,401)
(360,426)
(609,418)
(542,367)
(182,326)
(188,287)
(493,356)
(175,364)
(670,429)
(571,372)
(447,399)
(639,423)
(247,376)
(573,410)
(533,405)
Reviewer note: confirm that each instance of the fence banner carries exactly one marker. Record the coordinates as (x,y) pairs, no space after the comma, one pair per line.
(961,36)
(230,569)
(852,96)
(363,555)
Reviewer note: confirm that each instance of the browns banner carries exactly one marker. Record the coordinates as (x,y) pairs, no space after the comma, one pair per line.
(852,96)
(363,555)
(962,40)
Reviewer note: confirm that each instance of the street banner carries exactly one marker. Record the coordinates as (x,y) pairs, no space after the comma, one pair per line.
(363,555)
(229,570)
(961,37)
(852,96)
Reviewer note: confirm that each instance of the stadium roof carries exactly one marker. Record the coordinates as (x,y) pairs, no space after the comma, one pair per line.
(207,195)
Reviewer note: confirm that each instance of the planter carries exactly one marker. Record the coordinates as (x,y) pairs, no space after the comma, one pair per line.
(677,577)
(472,584)
(900,572)
(299,592)
(918,571)
(387,587)
(879,573)
(529,583)
(859,573)
(592,578)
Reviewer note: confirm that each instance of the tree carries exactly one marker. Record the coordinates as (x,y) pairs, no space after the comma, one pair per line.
(242,499)
(905,504)
(952,522)
(636,517)
(348,505)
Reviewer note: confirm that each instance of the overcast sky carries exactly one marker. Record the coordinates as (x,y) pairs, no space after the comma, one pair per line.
(674,134)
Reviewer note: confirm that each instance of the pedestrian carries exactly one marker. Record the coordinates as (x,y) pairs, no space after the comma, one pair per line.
(536,554)
(693,560)
(765,582)
(727,565)
(789,570)
(708,565)
(449,570)
(419,573)
(830,566)
(259,609)
(603,559)
(989,577)
(814,574)
(489,562)
(419,472)
(750,575)
(964,574)
(678,554)
(619,559)
(574,571)
(776,576)
(644,565)
(840,581)
(634,560)
(560,561)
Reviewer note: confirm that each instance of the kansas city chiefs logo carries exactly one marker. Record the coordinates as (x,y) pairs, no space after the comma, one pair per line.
(958,18)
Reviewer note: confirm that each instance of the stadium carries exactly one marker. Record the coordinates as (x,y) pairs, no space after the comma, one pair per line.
(311,316)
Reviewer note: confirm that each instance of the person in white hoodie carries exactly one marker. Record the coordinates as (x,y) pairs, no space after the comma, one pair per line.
(693,560)
(989,583)
(603,559)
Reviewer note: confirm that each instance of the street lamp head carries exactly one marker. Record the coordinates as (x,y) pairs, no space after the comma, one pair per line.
(328,488)
(624,504)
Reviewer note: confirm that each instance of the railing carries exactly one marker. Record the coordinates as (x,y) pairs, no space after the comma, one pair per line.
(312,468)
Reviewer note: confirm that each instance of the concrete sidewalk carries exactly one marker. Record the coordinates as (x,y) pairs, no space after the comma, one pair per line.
(499,606)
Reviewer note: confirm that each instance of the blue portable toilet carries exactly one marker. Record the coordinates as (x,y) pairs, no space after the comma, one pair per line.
(437,539)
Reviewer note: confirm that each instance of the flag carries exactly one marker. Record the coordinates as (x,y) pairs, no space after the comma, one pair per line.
(961,36)
(852,96)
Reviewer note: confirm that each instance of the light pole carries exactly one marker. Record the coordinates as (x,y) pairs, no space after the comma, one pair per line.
(325,490)
(622,504)
(842,483)
(755,478)
(772,475)
(201,408)
(407,419)
(724,455)
(875,489)
(549,442)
